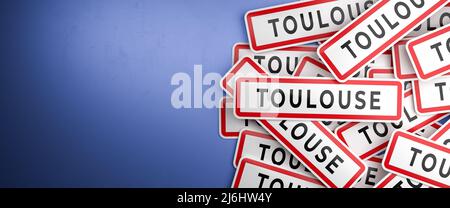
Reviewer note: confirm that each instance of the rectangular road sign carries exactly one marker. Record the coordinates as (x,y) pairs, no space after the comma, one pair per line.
(367,139)
(244,67)
(419,159)
(372,33)
(264,148)
(430,53)
(432,96)
(300,22)
(311,67)
(319,150)
(318,99)
(434,131)
(281,62)
(403,68)
(229,125)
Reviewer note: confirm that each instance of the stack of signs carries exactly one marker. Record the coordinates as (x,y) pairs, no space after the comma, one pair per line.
(357,107)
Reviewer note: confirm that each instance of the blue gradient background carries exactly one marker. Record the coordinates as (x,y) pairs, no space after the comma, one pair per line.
(85,92)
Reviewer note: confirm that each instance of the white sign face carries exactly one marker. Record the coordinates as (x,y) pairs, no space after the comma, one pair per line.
(383,61)
(317,148)
(419,159)
(368,139)
(318,99)
(437,20)
(282,62)
(229,125)
(310,67)
(433,96)
(430,131)
(374,174)
(244,67)
(430,53)
(403,68)
(254,174)
(394,181)
(300,22)
(264,148)
(381,73)
(386,73)
(372,33)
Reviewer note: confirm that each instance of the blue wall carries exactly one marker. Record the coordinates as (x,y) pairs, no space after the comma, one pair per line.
(85,92)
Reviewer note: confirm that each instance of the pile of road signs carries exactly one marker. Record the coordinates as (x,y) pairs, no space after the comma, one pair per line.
(357,107)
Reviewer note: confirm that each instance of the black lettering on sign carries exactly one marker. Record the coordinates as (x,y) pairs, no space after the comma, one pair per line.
(379,28)
(441,86)
(437,47)
(429,162)
(370,176)
(278,156)
(274,183)
(311,20)
(443,19)
(313,144)
(327,99)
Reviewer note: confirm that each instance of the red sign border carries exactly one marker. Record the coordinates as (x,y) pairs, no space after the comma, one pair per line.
(245,161)
(308,164)
(245,46)
(377,6)
(303,40)
(415,60)
(418,101)
(406,173)
(372,71)
(230,74)
(339,131)
(242,138)
(396,62)
(326,117)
